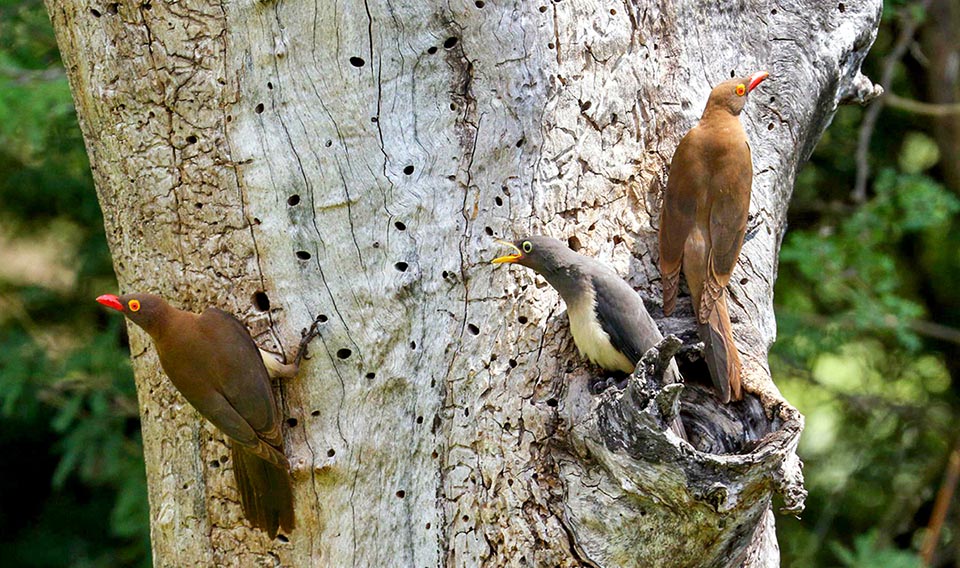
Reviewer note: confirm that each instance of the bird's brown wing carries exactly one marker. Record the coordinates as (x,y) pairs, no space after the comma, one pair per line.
(214,363)
(238,374)
(728,224)
(221,413)
(678,215)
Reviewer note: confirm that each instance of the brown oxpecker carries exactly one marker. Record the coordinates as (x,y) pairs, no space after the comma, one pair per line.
(704,219)
(215,364)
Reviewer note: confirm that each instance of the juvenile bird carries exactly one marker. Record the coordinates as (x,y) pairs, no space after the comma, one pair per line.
(609,323)
(704,219)
(215,364)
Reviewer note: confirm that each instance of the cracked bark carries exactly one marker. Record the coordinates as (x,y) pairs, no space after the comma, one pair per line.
(237,149)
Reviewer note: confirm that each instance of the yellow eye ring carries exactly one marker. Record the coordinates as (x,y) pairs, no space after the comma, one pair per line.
(134,305)
(527,247)
(741,90)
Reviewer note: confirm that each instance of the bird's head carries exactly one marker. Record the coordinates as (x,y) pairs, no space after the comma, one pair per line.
(144,310)
(546,255)
(731,95)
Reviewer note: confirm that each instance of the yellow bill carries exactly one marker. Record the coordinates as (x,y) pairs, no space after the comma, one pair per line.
(512,257)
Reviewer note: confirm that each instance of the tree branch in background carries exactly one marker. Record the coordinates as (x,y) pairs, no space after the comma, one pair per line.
(941,506)
(23,76)
(907,33)
(918,107)
(935,330)
(920,327)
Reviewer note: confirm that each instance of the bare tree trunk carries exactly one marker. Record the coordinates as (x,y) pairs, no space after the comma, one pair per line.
(282,160)
(941,43)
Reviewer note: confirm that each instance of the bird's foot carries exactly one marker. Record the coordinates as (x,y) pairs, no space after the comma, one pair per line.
(307,336)
(599,384)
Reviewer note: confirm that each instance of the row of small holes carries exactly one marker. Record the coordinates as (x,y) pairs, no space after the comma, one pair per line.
(448,44)
(401,266)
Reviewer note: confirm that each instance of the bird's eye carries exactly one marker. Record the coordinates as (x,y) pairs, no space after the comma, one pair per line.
(134,305)
(741,90)
(527,247)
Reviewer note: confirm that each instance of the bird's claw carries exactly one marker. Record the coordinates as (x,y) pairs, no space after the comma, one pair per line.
(306,336)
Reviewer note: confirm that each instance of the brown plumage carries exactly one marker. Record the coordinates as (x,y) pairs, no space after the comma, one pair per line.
(215,364)
(704,219)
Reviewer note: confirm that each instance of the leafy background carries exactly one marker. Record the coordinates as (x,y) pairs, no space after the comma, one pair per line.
(866,299)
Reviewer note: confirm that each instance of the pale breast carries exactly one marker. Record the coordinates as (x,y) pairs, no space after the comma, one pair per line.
(592,342)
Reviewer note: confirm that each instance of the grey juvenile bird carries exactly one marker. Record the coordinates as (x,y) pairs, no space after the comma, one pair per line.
(608,320)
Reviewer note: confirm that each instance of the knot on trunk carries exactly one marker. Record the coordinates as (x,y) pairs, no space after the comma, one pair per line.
(717,488)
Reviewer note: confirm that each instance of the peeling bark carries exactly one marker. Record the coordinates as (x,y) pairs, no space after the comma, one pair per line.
(355,160)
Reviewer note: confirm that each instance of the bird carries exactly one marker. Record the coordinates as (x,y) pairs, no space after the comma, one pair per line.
(703,221)
(608,321)
(214,363)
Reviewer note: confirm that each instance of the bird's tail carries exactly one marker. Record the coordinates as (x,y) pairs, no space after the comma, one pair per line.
(720,351)
(265,492)
(671,284)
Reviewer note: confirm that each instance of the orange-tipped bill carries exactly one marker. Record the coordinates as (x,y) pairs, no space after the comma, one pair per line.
(111,301)
(512,257)
(756,79)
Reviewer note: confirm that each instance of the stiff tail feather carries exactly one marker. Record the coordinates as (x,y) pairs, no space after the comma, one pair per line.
(265,492)
(720,351)
(671,284)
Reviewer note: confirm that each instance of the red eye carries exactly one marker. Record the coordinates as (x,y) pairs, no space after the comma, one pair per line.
(134,305)
(741,90)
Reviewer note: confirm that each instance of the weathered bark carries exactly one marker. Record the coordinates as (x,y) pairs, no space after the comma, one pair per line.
(354,160)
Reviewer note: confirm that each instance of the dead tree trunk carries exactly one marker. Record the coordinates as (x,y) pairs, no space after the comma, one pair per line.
(282,160)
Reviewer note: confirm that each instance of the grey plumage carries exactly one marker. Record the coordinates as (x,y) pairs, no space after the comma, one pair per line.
(609,322)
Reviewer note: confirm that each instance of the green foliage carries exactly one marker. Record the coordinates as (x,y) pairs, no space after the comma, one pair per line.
(83,399)
(867,310)
(849,267)
(866,553)
(920,153)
